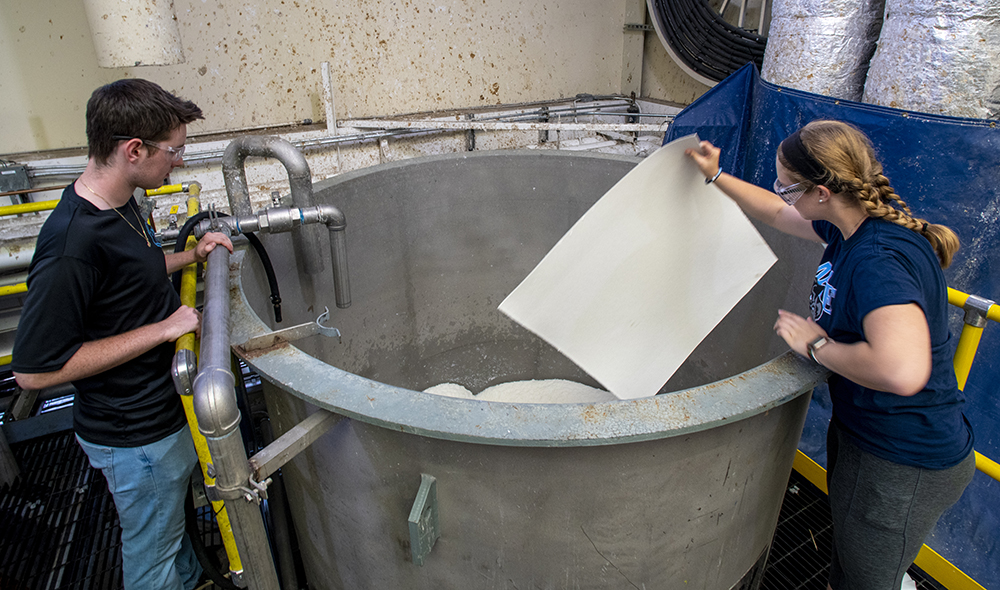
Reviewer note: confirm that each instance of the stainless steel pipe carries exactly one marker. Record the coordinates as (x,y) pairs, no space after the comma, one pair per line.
(279,220)
(299,179)
(219,420)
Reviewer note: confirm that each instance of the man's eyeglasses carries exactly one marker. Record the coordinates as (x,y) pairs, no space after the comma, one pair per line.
(177,153)
(791,193)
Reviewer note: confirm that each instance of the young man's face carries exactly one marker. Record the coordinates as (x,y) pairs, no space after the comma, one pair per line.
(158,163)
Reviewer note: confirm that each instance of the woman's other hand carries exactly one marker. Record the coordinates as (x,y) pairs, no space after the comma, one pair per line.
(797,331)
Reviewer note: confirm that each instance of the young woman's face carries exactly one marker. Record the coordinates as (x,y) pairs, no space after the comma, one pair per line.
(803,201)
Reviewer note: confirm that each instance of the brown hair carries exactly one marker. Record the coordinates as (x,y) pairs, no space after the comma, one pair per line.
(852,170)
(133,108)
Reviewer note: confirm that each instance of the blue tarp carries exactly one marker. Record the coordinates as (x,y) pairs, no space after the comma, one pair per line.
(948,170)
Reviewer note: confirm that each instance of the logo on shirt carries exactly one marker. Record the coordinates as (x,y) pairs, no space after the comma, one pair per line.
(821,298)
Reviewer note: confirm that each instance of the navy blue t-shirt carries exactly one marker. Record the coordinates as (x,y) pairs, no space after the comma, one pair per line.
(885,264)
(93,276)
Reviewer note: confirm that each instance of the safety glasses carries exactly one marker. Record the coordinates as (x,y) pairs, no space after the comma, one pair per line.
(176,153)
(791,193)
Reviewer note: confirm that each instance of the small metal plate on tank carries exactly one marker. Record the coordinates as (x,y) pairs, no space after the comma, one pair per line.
(423,520)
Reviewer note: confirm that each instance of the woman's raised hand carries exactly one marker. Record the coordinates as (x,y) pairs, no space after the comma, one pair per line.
(706,157)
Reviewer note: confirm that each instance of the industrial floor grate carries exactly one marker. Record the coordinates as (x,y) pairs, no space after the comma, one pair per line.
(800,550)
(60,530)
(59,524)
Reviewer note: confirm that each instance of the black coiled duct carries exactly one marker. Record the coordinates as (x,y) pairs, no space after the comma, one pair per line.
(704,41)
(258,247)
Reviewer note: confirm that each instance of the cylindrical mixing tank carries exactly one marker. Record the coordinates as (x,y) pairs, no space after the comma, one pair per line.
(679,490)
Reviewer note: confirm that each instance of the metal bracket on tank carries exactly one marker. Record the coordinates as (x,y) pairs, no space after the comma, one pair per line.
(294,333)
(423,520)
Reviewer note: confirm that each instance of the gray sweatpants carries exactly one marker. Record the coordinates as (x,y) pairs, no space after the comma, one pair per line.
(882,511)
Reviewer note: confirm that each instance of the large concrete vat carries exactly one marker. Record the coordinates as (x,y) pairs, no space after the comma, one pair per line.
(677,491)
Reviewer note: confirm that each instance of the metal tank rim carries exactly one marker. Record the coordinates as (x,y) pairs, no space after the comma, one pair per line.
(752,392)
(457,158)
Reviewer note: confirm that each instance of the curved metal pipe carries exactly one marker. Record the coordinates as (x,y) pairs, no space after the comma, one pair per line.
(299,180)
(336,223)
(214,385)
(278,220)
(219,420)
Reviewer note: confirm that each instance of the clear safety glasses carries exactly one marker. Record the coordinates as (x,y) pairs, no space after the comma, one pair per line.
(791,193)
(176,153)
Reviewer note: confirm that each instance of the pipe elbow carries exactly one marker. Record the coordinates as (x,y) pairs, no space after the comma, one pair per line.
(265,146)
(333,217)
(215,402)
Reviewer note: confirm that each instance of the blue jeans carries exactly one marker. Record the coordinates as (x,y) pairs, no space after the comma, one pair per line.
(149,485)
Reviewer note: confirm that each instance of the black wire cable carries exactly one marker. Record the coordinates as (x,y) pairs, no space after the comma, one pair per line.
(211,566)
(704,41)
(272,280)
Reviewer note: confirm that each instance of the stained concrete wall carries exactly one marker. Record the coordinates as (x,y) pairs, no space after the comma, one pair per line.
(257,63)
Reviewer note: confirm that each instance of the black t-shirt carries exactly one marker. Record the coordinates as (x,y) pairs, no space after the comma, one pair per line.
(93,276)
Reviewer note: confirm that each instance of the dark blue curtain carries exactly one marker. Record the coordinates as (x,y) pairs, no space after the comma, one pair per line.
(948,170)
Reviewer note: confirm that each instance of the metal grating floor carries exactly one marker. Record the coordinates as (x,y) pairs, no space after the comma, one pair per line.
(60,530)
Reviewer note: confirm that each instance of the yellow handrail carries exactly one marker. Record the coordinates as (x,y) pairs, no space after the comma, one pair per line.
(977,312)
(28,207)
(13,289)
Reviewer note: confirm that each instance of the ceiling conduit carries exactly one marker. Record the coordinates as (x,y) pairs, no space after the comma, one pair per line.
(702,42)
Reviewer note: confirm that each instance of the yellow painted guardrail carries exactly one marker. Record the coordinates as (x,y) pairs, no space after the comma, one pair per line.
(192,188)
(977,312)
(14,289)
(28,207)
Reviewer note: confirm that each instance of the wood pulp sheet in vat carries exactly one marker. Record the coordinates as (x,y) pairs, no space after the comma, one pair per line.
(636,284)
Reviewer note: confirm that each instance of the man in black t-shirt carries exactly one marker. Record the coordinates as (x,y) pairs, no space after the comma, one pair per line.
(101,313)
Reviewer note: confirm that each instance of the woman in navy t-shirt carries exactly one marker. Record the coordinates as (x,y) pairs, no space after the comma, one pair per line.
(899,448)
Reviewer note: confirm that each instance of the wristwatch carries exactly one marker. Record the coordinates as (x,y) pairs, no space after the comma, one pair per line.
(815,345)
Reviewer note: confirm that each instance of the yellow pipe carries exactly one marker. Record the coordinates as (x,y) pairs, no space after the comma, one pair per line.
(939,568)
(968,343)
(191,188)
(167,189)
(6,360)
(14,289)
(189,282)
(958,299)
(988,466)
(28,207)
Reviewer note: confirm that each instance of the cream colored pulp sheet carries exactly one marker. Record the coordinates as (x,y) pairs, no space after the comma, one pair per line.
(636,284)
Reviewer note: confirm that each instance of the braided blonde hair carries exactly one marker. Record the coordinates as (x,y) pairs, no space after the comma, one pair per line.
(852,170)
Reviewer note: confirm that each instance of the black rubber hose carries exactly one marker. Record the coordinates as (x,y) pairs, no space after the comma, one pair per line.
(211,565)
(272,280)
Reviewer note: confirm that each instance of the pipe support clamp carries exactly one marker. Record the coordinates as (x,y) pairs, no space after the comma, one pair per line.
(976,308)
